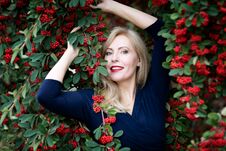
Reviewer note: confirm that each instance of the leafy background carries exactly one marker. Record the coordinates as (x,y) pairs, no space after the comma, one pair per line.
(34,34)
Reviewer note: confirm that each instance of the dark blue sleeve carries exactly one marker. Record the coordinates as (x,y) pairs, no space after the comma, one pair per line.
(72,104)
(158,76)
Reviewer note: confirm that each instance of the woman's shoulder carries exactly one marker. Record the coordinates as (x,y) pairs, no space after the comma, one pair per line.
(86,91)
(154,28)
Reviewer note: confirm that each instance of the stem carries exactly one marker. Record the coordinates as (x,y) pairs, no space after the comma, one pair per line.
(102,114)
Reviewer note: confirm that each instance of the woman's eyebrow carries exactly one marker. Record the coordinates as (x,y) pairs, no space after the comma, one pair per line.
(109,49)
(123,47)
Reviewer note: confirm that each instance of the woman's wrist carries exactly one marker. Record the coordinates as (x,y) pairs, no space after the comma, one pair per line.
(112,7)
(71,53)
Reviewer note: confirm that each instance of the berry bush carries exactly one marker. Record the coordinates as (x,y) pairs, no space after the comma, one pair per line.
(34,35)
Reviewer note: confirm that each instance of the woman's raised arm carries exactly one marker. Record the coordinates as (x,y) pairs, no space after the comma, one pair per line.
(137,17)
(60,68)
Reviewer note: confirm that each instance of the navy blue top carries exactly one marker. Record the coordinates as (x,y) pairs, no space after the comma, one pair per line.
(145,128)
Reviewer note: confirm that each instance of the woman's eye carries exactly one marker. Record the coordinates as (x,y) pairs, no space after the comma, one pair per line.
(125,51)
(108,53)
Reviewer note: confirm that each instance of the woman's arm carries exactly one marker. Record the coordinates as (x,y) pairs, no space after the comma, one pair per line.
(158,76)
(60,68)
(137,17)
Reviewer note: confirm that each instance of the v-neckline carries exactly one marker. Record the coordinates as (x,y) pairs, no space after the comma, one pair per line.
(135,106)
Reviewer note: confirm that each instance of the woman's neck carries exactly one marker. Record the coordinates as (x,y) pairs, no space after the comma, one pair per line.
(127,93)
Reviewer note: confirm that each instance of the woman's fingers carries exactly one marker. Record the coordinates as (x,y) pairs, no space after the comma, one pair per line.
(75,29)
(94,7)
(103,5)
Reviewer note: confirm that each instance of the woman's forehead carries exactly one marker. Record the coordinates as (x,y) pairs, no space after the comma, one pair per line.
(120,41)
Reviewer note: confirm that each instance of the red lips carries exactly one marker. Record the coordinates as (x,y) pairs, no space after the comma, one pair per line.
(116,68)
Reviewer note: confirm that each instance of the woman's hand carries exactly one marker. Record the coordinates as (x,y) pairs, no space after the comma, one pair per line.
(69,46)
(135,16)
(60,68)
(104,5)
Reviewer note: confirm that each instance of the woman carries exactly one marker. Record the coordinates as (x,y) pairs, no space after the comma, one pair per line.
(138,95)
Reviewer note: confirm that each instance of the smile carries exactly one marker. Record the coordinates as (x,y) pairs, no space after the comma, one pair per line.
(116,68)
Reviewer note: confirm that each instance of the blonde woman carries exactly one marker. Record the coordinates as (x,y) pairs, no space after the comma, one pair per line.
(139,94)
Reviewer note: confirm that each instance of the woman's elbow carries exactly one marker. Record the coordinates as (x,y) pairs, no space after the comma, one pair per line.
(41,97)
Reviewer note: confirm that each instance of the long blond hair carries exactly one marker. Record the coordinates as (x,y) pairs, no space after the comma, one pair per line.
(109,88)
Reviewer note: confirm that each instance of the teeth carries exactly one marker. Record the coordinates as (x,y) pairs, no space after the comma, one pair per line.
(116,68)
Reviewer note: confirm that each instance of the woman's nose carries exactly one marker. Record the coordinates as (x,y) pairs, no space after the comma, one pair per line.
(114,57)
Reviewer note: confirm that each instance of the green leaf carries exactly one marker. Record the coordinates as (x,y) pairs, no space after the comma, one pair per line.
(178,94)
(91,143)
(17,105)
(224,92)
(24,92)
(35,64)
(178,127)
(24,125)
(82,2)
(188,23)
(174,16)
(77,149)
(3,116)
(36,28)
(206,42)
(213,10)
(208,134)
(53,129)
(34,75)
(118,134)
(124,149)
(163,31)
(72,37)
(78,59)
(12,7)
(84,76)
(15,53)
(35,145)
(169,58)
(28,44)
(166,65)
(81,40)
(36,57)
(76,78)
(92,20)
(42,129)
(96,77)
(97,133)
(6,105)
(38,39)
(82,22)
(169,139)
(53,56)
(214,116)
(187,70)
(30,132)
(50,141)
(2,47)
(102,70)
(73,3)
(201,114)
(25,117)
(166,35)
(186,7)
(176,72)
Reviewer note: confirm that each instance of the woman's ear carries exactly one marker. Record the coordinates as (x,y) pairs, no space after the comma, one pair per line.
(139,64)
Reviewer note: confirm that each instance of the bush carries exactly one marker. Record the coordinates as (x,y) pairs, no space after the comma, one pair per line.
(34,35)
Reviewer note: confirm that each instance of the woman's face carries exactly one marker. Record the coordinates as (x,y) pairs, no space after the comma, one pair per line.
(122,60)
